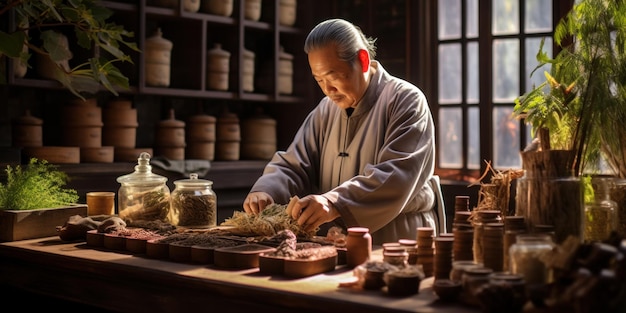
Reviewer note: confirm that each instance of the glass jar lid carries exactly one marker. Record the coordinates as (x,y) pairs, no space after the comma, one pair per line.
(193,182)
(143,173)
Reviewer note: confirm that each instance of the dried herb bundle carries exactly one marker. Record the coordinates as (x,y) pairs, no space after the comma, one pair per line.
(269,222)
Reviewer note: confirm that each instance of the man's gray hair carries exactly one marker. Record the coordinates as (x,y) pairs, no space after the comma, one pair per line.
(348,37)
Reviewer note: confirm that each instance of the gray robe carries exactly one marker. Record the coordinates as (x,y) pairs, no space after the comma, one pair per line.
(374,165)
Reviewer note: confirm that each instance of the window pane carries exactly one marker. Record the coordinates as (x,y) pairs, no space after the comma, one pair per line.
(532,47)
(505,139)
(505,70)
(473,132)
(450,138)
(450,73)
(472,18)
(449,19)
(505,18)
(538,16)
(472,73)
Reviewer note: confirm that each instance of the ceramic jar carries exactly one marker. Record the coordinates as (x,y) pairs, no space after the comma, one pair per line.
(287,12)
(248,70)
(227,145)
(83,124)
(158,58)
(285,72)
(218,67)
(358,246)
(27,131)
(47,68)
(218,7)
(258,137)
(170,137)
(200,137)
(143,195)
(252,10)
(193,203)
(120,124)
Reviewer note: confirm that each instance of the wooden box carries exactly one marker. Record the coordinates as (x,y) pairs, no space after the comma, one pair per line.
(29,224)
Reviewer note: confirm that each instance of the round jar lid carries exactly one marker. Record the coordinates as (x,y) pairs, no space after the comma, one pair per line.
(28,119)
(218,51)
(158,42)
(193,182)
(171,121)
(142,174)
(202,119)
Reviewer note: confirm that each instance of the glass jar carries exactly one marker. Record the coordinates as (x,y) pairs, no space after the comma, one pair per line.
(143,195)
(194,204)
(358,246)
(527,255)
(601,213)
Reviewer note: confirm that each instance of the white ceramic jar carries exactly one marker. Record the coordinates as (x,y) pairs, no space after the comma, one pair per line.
(253,10)
(285,72)
(287,12)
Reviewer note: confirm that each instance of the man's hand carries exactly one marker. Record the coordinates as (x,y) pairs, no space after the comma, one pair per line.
(313,211)
(256,202)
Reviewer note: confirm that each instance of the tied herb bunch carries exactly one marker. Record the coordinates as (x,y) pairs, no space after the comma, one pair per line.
(38,185)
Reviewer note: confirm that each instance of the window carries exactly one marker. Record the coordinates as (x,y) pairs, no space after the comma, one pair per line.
(486,52)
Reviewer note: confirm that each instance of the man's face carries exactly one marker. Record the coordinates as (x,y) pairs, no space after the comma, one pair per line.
(344,83)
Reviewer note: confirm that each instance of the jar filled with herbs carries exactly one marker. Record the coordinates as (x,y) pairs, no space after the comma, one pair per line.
(194,204)
(143,195)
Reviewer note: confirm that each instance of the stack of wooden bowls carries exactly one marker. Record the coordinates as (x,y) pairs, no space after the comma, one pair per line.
(83,128)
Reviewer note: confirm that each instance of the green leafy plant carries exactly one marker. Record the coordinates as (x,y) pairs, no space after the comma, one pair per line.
(38,185)
(584,108)
(89,22)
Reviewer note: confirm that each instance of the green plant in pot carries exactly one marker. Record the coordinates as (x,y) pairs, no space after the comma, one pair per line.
(37,185)
(39,30)
(577,114)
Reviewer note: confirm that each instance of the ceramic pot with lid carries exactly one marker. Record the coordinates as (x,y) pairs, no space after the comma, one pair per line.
(227,145)
(218,67)
(287,12)
(170,137)
(158,58)
(218,7)
(285,72)
(248,70)
(27,131)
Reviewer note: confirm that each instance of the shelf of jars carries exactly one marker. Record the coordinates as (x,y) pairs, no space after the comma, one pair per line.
(189,74)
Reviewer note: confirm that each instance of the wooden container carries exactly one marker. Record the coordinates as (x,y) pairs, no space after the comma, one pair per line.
(158,58)
(82,136)
(97,155)
(228,135)
(258,139)
(27,131)
(200,128)
(285,72)
(240,257)
(170,132)
(218,7)
(82,113)
(287,12)
(200,150)
(29,224)
(252,10)
(248,70)
(218,67)
(119,137)
(53,154)
(119,113)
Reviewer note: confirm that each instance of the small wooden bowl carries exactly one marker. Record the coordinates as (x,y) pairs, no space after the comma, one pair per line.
(447,290)
(157,250)
(114,242)
(94,238)
(240,257)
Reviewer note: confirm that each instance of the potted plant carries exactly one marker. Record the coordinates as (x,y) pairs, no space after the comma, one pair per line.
(34,200)
(577,114)
(88,21)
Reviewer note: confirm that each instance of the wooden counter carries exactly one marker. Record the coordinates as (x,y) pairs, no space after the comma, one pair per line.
(132,283)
